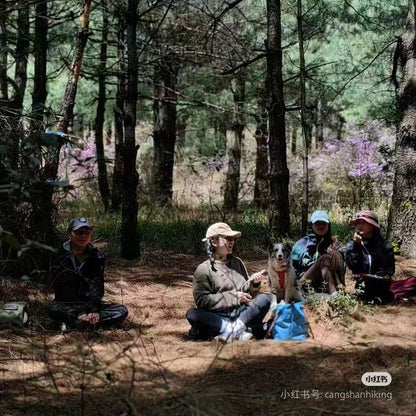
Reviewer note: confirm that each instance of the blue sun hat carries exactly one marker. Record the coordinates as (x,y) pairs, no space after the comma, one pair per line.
(320,216)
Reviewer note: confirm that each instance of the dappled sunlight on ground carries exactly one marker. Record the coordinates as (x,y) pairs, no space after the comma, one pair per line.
(148,367)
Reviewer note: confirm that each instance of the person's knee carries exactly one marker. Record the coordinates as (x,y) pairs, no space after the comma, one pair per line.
(263,301)
(191,315)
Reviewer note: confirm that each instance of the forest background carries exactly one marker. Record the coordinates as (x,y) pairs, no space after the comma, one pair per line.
(155,119)
(178,114)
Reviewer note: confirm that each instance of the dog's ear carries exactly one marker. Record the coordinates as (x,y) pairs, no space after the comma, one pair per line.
(270,247)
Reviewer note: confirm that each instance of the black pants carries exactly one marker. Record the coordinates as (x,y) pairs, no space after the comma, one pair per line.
(208,324)
(375,289)
(111,314)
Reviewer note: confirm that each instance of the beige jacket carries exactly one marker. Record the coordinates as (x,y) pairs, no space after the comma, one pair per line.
(217,290)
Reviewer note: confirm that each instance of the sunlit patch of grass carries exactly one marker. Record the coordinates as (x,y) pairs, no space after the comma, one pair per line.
(180,229)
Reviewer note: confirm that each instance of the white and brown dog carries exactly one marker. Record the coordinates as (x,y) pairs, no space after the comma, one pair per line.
(281,275)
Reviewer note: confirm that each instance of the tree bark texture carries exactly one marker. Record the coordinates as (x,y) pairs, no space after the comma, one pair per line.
(40,48)
(15,105)
(3,54)
(129,240)
(100,115)
(305,120)
(68,101)
(50,169)
(402,216)
(164,131)
(279,172)
(117,184)
(261,177)
(232,181)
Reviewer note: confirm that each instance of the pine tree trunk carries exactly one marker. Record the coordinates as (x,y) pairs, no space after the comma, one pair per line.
(129,239)
(319,124)
(100,115)
(402,216)
(232,181)
(261,179)
(279,172)
(117,184)
(164,131)
(4,47)
(305,121)
(50,170)
(40,75)
(20,80)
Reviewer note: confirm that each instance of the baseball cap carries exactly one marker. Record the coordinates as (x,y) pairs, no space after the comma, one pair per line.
(77,223)
(220,228)
(367,216)
(320,216)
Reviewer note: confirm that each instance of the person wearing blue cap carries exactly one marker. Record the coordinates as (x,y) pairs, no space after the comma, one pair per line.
(317,258)
(77,277)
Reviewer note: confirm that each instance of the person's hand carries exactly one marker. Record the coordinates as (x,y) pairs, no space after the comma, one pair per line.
(357,238)
(258,276)
(332,247)
(91,318)
(243,297)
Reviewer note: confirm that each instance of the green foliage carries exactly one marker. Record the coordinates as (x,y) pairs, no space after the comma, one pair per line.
(345,308)
(181,230)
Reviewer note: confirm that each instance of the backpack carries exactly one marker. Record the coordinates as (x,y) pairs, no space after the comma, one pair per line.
(290,322)
(403,289)
(13,313)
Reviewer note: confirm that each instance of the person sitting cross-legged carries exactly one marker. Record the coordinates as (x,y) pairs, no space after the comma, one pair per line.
(77,277)
(371,259)
(228,304)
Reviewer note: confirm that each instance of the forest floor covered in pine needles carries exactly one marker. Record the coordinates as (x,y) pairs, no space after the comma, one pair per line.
(147,368)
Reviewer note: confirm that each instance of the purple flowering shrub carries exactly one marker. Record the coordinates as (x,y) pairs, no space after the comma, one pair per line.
(79,164)
(355,171)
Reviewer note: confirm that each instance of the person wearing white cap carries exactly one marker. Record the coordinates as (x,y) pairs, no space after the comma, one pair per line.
(317,258)
(77,277)
(225,296)
(371,259)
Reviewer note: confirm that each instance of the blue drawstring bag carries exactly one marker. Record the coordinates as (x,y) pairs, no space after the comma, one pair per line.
(291,322)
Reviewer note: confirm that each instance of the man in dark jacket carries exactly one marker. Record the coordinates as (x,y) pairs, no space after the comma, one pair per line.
(371,258)
(77,276)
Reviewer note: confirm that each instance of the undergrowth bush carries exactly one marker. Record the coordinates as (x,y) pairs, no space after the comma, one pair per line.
(344,308)
(181,229)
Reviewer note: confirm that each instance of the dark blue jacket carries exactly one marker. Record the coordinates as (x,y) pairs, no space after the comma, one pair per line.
(306,251)
(75,282)
(373,256)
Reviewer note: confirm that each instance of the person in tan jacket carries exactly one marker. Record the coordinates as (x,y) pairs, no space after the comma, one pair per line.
(225,296)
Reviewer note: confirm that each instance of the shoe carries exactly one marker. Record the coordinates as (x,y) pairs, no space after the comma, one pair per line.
(192,335)
(235,331)
(334,295)
(375,301)
(244,336)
